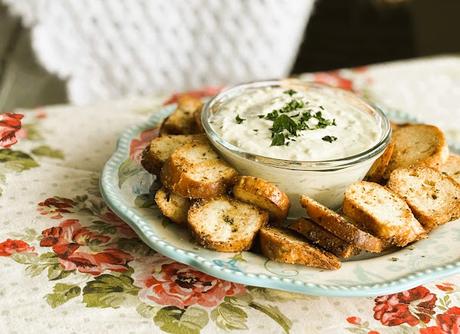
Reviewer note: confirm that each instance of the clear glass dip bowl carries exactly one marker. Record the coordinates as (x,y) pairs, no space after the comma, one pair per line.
(324,180)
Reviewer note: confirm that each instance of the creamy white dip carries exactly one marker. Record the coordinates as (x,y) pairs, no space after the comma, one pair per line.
(242,121)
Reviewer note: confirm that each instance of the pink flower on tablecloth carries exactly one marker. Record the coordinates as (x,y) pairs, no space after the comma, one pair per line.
(55,206)
(446,287)
(10,246)
(10,124)
(411,307)
(175,284)
(333,78)
(431,330)
(72,244)
(137,145)
(447,323)
(200,93)
(354,320)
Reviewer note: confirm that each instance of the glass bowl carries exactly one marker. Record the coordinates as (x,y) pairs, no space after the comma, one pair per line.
(323,180)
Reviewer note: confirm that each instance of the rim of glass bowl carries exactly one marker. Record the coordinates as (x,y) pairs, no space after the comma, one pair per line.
(305,165)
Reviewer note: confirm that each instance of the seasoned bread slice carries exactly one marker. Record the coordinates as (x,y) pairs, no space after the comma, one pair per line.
(433,197)
(225,224)
(285,246)
(417,144)
(323,238)
(182,120)
(161,148)
(382,212)
(452,167)
(263,194)
(196,171)
(340,226)
(172,206)
(377,171)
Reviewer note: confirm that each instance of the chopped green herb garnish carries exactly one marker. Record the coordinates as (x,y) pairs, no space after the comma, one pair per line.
(284,122)
(290,92)
(286,126)
(278,139)
(239,120)
(329,139)
(272,115)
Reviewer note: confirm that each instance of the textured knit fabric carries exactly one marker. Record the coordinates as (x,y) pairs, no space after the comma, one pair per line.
(107,49)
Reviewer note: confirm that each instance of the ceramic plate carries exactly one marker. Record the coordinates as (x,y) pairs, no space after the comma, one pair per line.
(125,187)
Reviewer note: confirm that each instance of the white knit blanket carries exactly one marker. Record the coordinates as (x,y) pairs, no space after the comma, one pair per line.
(106,49)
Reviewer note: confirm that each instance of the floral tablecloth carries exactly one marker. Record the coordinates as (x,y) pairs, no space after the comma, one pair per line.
(69,265)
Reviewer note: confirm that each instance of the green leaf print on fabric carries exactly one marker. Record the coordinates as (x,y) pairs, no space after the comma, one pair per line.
(37,264)
(46,151)
(174,320)
(248,300)
(127,168)
(32,131)
(28,235)
(274,313)
(62,293)
(108,291)
(16,160)
(272,295)
(102,227)
(147,311)
(57,272)
(134,246)
(2,181)
(25,258)
(229,317)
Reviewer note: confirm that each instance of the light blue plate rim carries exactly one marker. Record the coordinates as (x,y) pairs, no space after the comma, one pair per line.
(112,196)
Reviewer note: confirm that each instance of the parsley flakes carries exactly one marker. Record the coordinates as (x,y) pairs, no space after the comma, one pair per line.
(329,139)
(285,126)
(278,139)
(239,120)
(290,92)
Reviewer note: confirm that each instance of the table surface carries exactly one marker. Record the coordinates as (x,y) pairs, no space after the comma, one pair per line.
(68,264)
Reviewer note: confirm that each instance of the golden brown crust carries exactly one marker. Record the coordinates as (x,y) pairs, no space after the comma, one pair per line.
(323,238)
(150,163)
(340,226)
(182,120)
(161,148)
(433,197)
(284,246)
(377,171)
(189,103)
(244,219)
(452,167)
(382,212)
(207,177)
(176,177)
(263,194)
(172,206)
(417,144)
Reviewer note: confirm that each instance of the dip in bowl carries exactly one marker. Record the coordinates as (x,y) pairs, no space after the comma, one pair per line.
(304,137)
